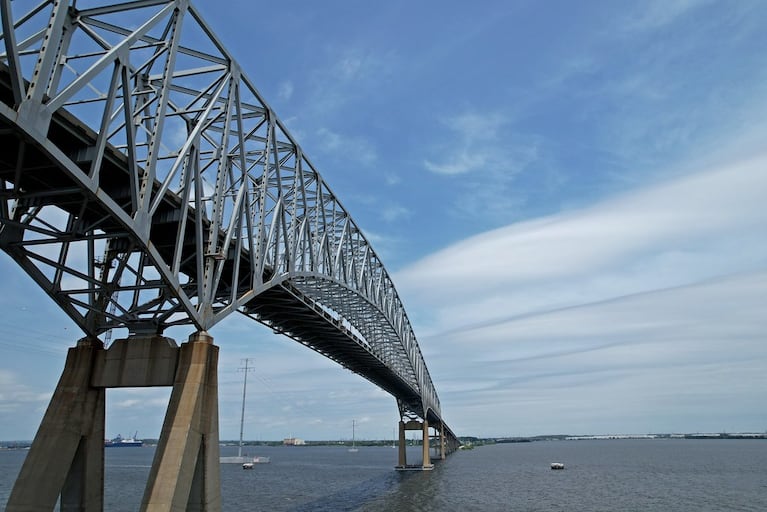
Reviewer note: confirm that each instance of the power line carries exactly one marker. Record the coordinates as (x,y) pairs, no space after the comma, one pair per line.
(245,370)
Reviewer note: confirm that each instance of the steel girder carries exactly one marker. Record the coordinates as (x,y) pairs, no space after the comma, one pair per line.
(146,183)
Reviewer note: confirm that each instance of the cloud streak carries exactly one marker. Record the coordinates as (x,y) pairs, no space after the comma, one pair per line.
(666,235)
(475,146)
(597,306)
(668,353)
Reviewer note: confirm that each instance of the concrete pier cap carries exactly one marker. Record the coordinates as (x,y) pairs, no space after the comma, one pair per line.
(201,337)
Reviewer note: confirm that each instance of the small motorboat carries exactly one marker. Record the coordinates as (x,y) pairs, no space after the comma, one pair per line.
(557,465)
(247,465)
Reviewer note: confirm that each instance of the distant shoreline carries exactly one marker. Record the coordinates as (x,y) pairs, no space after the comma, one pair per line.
(470,440)
(603,437)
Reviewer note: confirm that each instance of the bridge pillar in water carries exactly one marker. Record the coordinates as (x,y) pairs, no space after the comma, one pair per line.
(66,458)
(426,455)
(424,428)
(402,446)
(67,454)
(185,473)
(442,441)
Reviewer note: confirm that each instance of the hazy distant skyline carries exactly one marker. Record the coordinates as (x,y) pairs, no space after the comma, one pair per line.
(569,196)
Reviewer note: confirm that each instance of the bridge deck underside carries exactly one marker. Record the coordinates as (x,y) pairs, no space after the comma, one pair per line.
(282,311)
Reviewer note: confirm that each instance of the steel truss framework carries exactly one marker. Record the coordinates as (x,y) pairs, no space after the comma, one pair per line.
(147,184)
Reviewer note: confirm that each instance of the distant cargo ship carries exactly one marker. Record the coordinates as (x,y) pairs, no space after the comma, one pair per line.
(121,441)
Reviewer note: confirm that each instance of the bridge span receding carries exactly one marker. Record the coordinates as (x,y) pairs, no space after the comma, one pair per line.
(146,184)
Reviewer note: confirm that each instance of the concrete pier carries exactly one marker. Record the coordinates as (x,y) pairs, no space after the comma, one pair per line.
(425,446)
(402,462)
(66,458)
(442,447)
(185,474)
(67,454)
(426,464)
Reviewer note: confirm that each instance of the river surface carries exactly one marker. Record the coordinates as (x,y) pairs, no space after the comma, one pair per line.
(671,475)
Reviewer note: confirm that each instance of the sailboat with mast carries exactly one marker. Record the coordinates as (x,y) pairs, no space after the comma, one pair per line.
(353,449)
(247,462)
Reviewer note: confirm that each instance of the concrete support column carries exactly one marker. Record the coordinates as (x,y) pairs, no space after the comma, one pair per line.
(426,456)
(185,473)
(442,440)
(67,455)
(402,445)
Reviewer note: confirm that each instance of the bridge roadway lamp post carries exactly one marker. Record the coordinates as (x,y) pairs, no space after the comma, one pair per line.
(146,184)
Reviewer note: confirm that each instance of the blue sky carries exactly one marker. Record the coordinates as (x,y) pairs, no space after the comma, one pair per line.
(569,195)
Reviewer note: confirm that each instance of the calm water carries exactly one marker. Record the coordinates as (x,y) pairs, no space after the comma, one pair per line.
(618,475)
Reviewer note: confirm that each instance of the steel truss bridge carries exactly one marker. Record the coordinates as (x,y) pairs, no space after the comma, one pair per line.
(147,184)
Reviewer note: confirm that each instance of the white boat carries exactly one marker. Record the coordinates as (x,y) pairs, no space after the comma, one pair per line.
(557,465)
(249,463)
(353,448)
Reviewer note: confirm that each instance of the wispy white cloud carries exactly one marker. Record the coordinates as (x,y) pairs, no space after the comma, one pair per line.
(666,284)
(664,355)
(22,402)
(394,212)
(660,13)
(392,179)
(352,147)
(285,91)
(346,76)
(672,97)
(14,394)
(473,147)
(484,156)
(673,233)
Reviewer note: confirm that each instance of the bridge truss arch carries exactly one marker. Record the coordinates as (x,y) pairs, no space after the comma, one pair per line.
(148,184)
